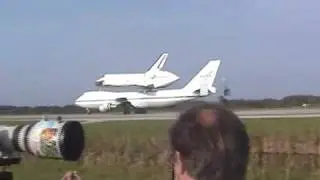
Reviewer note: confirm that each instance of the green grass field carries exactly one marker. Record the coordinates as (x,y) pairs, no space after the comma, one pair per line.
(136,150)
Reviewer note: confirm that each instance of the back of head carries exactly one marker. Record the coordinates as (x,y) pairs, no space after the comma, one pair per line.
(212,142)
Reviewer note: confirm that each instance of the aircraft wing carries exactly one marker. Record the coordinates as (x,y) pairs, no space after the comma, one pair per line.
(128,107)
(124,102)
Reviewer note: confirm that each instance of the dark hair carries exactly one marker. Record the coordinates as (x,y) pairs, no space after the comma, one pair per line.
(213,142)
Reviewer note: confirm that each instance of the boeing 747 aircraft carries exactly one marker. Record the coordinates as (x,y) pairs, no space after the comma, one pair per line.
(152,79)
(200,86)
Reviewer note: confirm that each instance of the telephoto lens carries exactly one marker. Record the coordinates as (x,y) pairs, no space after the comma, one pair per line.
(46,138)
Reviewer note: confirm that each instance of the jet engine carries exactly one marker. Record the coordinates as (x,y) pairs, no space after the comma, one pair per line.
(105,107)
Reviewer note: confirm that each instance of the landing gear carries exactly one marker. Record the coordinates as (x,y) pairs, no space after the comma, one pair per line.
(128,109)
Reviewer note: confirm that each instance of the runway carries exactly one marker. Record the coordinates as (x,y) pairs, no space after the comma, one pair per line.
(93,118)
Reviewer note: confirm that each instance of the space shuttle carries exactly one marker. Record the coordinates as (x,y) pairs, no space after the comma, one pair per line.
(153,78)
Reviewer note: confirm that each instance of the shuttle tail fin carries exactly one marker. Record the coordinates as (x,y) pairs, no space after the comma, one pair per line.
(202,82)
(158,65)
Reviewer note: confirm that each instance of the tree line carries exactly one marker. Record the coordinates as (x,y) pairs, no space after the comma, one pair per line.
(288,101)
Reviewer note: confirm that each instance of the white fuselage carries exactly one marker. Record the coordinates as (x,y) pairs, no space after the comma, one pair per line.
(161,79)
(163,98)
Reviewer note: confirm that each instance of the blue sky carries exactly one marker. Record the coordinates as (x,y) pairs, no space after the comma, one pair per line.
(52,51)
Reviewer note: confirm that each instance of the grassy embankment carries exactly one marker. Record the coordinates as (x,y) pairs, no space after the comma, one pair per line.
(137,150)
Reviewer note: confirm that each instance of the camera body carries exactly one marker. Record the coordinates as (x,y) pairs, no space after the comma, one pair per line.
(9,159)
(6,161)
(6,175)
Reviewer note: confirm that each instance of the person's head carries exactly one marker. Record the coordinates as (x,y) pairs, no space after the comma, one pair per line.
(210,142)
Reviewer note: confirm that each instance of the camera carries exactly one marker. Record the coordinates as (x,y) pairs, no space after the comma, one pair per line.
(50,139)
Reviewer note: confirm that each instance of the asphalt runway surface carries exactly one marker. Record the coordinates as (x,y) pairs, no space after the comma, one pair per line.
(94,118)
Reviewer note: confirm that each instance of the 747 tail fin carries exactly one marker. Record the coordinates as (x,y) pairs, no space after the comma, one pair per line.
(202,82)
